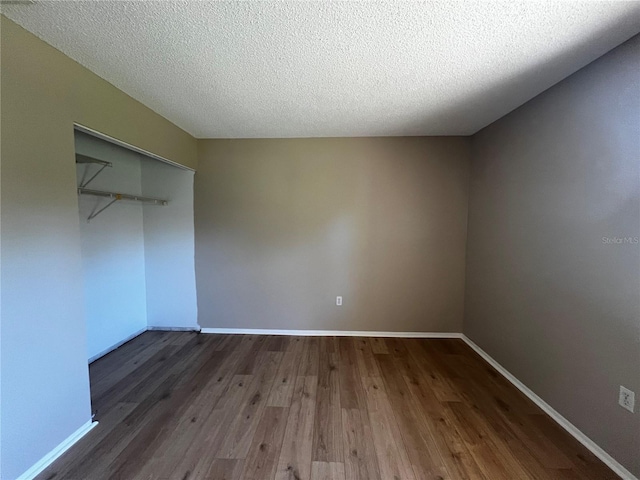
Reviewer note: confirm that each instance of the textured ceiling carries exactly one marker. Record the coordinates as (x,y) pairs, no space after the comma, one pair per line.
(293,69)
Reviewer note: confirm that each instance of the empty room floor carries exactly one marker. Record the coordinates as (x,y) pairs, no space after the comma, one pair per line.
(197,406)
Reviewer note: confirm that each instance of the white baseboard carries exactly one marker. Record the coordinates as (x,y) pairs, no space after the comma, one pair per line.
(51,457)
(117,344)
(549,410)
(329,333)
(173,329)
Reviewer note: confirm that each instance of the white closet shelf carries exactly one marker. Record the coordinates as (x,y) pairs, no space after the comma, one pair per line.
(85,159)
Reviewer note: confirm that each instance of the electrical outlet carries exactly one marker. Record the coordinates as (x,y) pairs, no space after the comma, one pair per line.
(627,399)
(339,301)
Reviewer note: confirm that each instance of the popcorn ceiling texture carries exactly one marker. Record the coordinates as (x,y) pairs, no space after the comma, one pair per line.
(293,69)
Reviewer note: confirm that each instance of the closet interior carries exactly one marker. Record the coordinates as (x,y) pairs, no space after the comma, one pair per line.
(137,239)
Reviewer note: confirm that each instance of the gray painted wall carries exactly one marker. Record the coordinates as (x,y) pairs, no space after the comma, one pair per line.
(284,226)
(547,296)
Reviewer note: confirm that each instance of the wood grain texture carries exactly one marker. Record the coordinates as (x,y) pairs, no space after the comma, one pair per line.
(262,458)
(327,437)
(184,406)
(327,471)
(295,455)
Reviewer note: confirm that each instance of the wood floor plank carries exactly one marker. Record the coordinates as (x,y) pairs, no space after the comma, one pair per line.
(284,382)
(455,454)
(424,354)
(422,450)
(197,458)
(359,452)
(327,471)
(500,426)
(213,430)
(390,450)
(351,391)
(249,362)
(366,361)
(327,438)
(485,446)
(224,469)
(310,357)
(262,459)
(180,362)
(514,429)
(277,343)
(583,461)
(233,343)
(177,403)
(419,378)
(397,347)
(96,461)
(297,446)
(139,379)
(378,345)
(242,429)
(109,421)
(360,458)
(178,449)
(126,357)
(296,344)
(185,406)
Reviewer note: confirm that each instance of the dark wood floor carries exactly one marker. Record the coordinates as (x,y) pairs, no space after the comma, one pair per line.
(196,406)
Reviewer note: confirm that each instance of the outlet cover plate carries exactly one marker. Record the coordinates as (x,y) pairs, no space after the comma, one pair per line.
(627,399)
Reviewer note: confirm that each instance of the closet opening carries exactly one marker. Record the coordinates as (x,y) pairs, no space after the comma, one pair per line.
(137,240)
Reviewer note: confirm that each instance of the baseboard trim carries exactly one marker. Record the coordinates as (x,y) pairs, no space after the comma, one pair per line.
(117,344)
(607,459)
(173,329)
(54,454)
(329,333)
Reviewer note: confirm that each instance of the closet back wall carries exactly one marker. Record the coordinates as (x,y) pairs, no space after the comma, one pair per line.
(137,258)
(283,226)
(113,251)
(169,247)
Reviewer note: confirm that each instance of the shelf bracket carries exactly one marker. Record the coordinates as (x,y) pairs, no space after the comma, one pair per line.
(89,160)
(95,213)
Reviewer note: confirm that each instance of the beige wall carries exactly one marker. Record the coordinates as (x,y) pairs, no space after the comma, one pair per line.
(284,226)
(54,85)
(43,345)
(546,296)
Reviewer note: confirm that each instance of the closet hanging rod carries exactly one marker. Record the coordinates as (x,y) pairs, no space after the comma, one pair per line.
(122,196)
(115,197)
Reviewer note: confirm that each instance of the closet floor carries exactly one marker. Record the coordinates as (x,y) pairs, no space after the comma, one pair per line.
(198,406)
